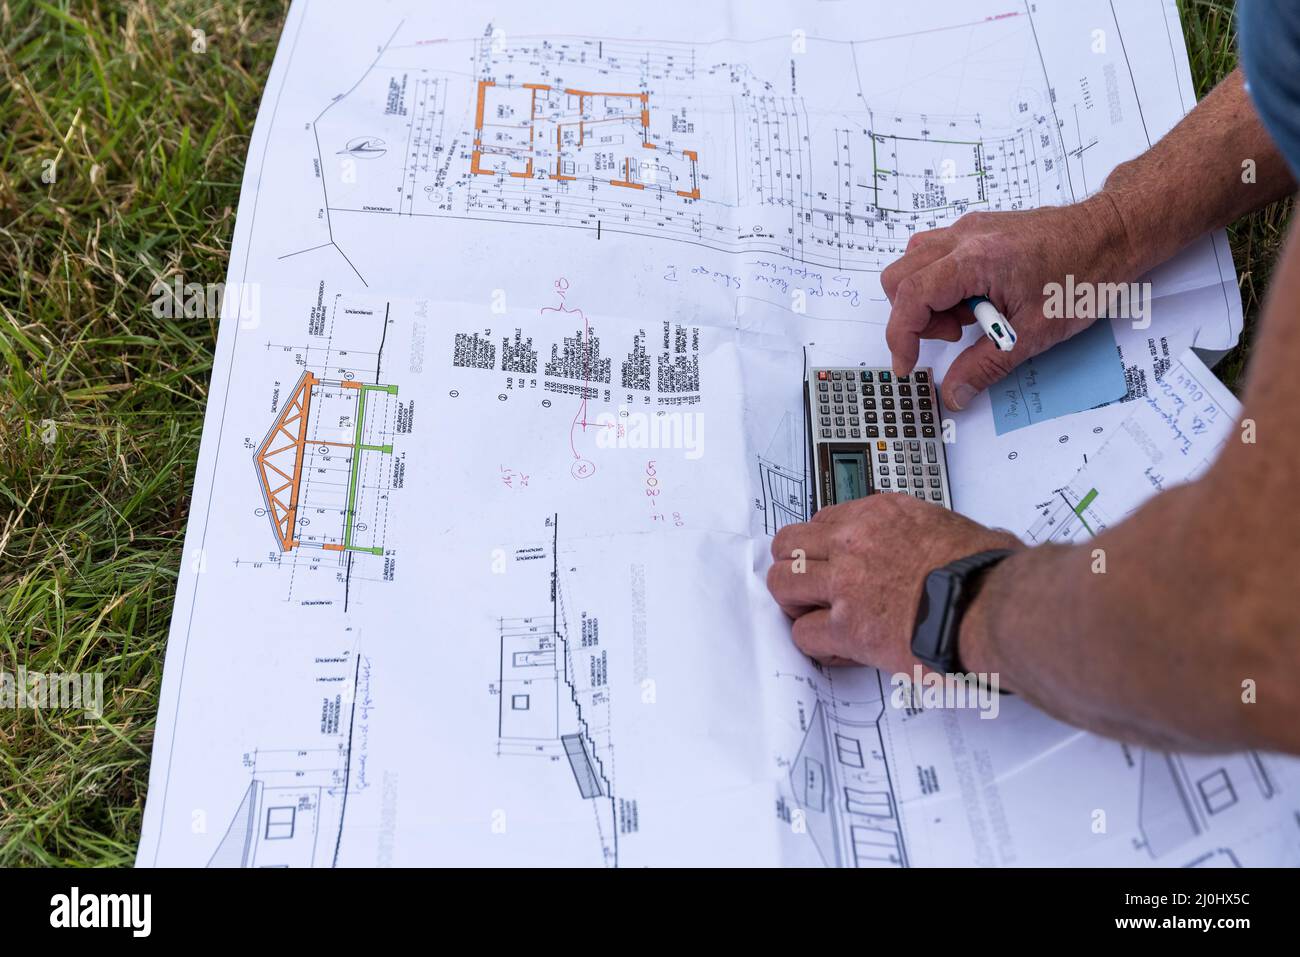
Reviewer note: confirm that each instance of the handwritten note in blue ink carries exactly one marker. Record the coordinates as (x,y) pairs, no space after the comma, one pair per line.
(1080,373)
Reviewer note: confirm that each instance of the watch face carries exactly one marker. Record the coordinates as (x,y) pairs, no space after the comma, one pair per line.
(931,641)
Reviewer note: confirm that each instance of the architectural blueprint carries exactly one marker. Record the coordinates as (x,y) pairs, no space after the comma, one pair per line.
(474,571)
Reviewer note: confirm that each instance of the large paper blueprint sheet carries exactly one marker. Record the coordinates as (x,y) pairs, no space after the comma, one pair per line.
(443,600)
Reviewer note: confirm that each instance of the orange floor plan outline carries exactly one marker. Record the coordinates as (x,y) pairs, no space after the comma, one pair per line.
(535,130)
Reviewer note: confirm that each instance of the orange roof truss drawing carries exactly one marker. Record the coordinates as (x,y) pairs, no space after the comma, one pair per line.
(279,462)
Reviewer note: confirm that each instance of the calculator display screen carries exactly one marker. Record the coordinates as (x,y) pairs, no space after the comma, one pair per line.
(850,471)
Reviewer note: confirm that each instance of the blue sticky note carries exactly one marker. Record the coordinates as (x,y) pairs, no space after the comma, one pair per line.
(1080,373)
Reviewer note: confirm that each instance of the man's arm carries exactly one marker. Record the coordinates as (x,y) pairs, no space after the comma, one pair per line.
(1190,182)
(1196,608)
(1199,595)
(1216,165)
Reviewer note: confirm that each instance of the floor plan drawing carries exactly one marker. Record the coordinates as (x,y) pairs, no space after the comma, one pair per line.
(669,140)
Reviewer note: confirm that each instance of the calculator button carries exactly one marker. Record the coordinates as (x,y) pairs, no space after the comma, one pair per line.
(866,376)
(915,456)
(927,431)
(916,470)
(884,481)
(823,387)
(898,446)
(853,420)
(890,417)
(891,431)
(835,375)
(919,494)
(826,433)
(932,469)
(931,454)
(927,418)
(898,457)
(837,386)
(839,410)
(869,403)
(923,390)
(909,417)
(905,404)
(921,375)
(839,433)
(886,390)
(903,378)
(937,496)
(909,431)
(886,403)
(913,446)
(882,446)
(872,431)
(853,386)
(926,404)
(826,420)
(904,389)
(855,433)
(934,483)
(839,420)
(822,374)
(871,418)
(882,457)
(885,376)
(824,410)
(900,470)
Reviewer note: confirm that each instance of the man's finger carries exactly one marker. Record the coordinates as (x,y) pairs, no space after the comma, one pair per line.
(934,288)
(799,586)
(811,540)
(948,325)
(812,634)
(922,249)
(977,368)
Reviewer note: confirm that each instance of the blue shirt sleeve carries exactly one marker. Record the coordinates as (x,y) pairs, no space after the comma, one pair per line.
(1268,38)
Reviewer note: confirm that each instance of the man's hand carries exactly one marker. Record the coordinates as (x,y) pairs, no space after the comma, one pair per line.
(1008,257)
(851,578)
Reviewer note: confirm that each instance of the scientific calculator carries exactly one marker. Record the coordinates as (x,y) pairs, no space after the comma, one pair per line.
(872,431)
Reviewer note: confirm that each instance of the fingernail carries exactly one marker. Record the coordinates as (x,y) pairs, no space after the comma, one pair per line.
(962,393)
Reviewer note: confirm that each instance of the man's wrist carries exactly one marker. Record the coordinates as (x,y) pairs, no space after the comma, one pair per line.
(979,649)
(1119,256)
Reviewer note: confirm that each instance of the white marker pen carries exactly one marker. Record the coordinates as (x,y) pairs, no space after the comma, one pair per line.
(993,323)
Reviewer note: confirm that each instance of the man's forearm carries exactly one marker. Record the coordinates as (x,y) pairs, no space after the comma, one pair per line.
(1188,639)
(1195,178)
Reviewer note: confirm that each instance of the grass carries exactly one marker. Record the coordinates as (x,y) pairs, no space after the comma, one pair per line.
(101,404)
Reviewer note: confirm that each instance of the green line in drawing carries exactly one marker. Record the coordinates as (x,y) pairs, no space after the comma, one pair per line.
(1084,503)
(356,466)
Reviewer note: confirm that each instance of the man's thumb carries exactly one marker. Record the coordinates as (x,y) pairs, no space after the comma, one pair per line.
(979,367)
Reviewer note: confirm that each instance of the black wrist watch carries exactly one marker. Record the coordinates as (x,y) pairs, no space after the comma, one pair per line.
(947,593)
